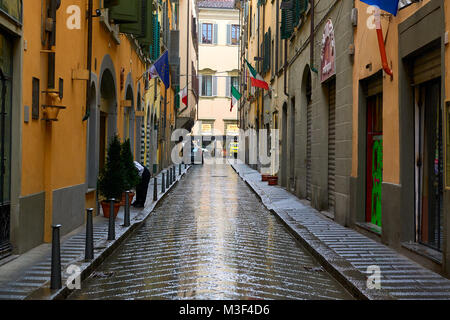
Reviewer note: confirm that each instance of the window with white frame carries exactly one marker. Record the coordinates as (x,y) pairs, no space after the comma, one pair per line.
(208,85)
(207,33)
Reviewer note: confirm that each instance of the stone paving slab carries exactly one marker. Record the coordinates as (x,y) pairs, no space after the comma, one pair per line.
(28,276)
(345,252)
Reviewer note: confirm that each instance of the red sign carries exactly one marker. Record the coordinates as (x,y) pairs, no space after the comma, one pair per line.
(328,53)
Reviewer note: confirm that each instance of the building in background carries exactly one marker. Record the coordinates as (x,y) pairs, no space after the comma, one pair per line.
(188,35)
(218,71)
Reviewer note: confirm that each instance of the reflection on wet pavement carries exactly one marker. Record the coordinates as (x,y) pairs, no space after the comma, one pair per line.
(211,238)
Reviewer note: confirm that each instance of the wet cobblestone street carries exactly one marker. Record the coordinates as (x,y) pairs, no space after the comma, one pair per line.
(211,238)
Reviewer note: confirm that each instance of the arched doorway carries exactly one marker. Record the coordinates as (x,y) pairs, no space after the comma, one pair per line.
(306,97)
(128,116)
(92,165)
(138,127)
(292,163)
(108,108)
(284,143)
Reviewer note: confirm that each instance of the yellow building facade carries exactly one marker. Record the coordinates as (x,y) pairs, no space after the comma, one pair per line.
(400,129)
(56,135)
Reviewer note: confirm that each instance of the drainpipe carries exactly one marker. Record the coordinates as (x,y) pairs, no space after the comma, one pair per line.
(187,50)
(285,68)
(312,39)
(89,60)
(384,61)
(277,34)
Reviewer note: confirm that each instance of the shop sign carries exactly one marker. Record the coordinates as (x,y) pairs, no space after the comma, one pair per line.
(328,53)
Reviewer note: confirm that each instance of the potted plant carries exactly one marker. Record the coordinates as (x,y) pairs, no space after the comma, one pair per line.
(130,172)
(110,181)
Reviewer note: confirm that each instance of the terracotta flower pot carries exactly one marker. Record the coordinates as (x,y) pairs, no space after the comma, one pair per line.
(105,208)
(273,181)
(265,177)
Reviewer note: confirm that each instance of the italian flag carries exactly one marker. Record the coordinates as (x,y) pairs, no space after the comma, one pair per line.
(183,95)
(235,97)
(255,78)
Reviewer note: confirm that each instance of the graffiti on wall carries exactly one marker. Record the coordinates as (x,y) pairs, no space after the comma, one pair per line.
(377,179)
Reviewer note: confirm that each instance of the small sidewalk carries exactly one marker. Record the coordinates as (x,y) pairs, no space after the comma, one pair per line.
(344,252)
(28,276)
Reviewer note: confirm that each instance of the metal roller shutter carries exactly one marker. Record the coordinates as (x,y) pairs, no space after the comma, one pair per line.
(427,66)
(308,150)
(331,144)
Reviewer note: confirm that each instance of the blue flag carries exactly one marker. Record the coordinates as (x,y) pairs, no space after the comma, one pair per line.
(390,6)
(162,68)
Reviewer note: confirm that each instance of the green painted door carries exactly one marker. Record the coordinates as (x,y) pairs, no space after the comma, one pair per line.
(374,176)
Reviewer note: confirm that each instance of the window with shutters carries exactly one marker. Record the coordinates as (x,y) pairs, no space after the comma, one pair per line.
(156,46)
(146,40)
(300,7)
(138,28)
(234,34)
(207,33)
(126,11)
(207,86)
(287,19)
(194,80)
(266,50)
(232,82)
(12,8)
(291,14)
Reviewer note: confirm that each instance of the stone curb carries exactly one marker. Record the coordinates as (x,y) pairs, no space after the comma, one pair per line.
(341,269)
(45,293)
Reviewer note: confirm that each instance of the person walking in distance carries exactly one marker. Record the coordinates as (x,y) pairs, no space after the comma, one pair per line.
(142,187)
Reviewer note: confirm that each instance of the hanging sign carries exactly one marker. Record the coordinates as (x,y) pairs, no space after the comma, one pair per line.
(328,53)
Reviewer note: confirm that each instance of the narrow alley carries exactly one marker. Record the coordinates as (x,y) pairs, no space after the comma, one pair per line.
(211,238)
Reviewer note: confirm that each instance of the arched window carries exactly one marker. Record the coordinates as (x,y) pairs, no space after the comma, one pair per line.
(12,8)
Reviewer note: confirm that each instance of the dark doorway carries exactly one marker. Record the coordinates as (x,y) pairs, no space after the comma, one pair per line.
(374,160)
(430,165)
(292,177)
(284,146)
(102,144)
(308,95)
(5,144)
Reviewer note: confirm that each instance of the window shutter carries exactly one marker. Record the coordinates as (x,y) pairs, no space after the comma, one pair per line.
(138,28)
(127,11)
(228,34)
(147,38)
(200,82)
(214,86)
(156,42)
(215,34)
(287,19)
(300,7)
(228,87)
(110,3)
